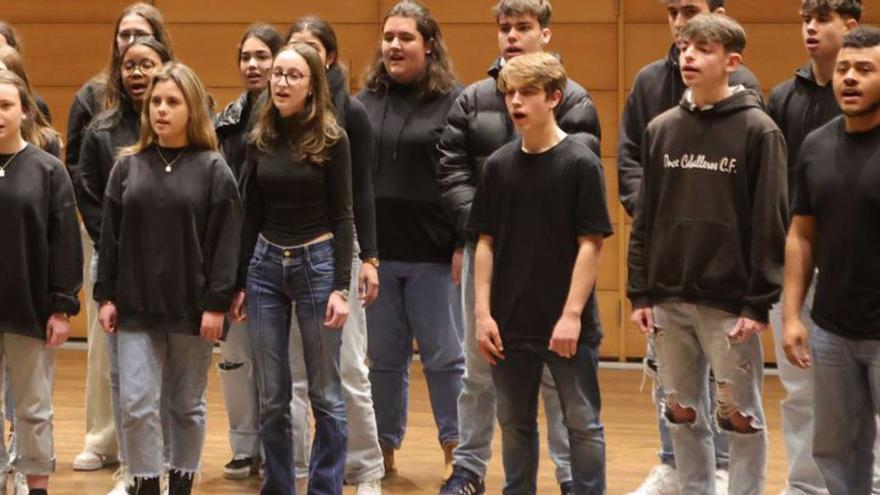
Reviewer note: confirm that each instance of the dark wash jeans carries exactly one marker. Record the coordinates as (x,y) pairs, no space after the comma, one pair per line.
(277,277)
(517,381)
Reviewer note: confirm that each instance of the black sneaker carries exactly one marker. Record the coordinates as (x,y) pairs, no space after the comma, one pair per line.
(240,468)
(463,482)
(566,487)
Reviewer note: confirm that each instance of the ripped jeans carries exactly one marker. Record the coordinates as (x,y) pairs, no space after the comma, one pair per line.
(689,339)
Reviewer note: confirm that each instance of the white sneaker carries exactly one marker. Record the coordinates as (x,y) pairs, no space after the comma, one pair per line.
(21,486)
(369,488)
(119,488)
(722,479)
(662,480)
(90,461)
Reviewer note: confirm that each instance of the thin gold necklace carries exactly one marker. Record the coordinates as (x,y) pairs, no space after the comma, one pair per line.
(168,164)
(3,168)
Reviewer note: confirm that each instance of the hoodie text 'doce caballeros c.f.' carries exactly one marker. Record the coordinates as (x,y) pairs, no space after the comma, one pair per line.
(711,221)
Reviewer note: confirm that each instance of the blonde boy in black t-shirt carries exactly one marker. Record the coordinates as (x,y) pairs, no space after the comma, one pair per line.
(541,215)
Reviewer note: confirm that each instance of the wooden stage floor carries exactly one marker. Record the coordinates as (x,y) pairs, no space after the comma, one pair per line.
(630,425)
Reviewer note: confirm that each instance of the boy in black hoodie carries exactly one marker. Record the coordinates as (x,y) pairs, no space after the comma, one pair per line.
(835,229)
(799,106)
(706,255)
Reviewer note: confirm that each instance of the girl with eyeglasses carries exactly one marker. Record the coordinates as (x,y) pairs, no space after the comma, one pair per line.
(257,48)
(96,96)
(297,243)
(166,275)
(363,467)
(408,92)
(41,262)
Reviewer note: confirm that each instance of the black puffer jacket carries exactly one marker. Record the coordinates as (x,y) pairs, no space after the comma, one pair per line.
(233,125)
(478,124)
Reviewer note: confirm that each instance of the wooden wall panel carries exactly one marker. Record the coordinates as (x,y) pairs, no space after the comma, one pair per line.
(608,314)
(19,12)
(277,11)
(65,54)
(606,106)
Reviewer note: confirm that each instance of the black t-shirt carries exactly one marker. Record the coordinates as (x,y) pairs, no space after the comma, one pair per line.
(839,185)
(534,206)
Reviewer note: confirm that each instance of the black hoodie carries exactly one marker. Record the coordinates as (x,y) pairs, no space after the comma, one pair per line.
(710,225)
(411,223)
(799,106)
(657,88)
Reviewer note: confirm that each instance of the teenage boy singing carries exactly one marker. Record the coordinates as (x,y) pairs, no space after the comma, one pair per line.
(477,126)
(799,106)
(835,228)
(706,254)
(541,216)
(657,88)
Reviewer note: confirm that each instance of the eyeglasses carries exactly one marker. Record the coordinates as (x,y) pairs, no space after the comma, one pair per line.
(290,78)
(130,34)
(145,65)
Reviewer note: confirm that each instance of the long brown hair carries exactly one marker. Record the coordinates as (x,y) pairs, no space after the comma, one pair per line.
(11,58)
(11,36)
(199,127)
(112,93)
(313,130)
(438,78)
(34,129)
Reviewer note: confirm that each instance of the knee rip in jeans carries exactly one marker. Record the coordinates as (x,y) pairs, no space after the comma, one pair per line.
(729,416)
(229,366)
(678,414)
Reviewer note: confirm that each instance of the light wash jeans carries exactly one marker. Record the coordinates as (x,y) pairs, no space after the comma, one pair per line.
(277,277)
(364,460)
(689,339)
(240,394)
(416,300)
(847,376)
(149,357)
(476,403)
(30,376)
(517,379)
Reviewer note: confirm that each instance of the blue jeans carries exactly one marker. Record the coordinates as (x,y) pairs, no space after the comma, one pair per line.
(847,377)
(277,277)
(689,339)
(517,380)
(415,300)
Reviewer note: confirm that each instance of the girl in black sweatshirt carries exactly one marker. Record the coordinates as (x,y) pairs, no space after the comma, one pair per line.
(41,262)
(297,245)
(166,274)
(409,90)
(257,48)
(364,461)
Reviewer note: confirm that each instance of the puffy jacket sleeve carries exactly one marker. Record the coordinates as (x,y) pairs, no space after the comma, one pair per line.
(456,170)
(579,116)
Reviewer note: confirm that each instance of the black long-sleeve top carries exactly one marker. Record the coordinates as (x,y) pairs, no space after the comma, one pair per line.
(657,88)
(411,222)
(291,202)
(101,143)
(85,107)
(169,240)
(41,254)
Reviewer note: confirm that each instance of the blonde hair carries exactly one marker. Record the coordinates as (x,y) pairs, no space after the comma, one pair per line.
(539,70)
(313,130)
(199,126)
(34,129)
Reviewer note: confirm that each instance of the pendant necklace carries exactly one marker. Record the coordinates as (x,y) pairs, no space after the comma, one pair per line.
(3,168)
(168,164)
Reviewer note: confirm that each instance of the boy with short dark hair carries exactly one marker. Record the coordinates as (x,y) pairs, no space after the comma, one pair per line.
(706,255)
(478,125)
(835,229)
(799,106)
(541,216)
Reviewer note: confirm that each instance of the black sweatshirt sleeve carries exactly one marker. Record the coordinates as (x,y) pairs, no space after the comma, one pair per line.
(222,239)
(629,145)
(637,260)
(111,223)
(769,222)
(254,214)
(360,135)
(86,174)
(340,214)
(65,246)
(455,168)
(77,121)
